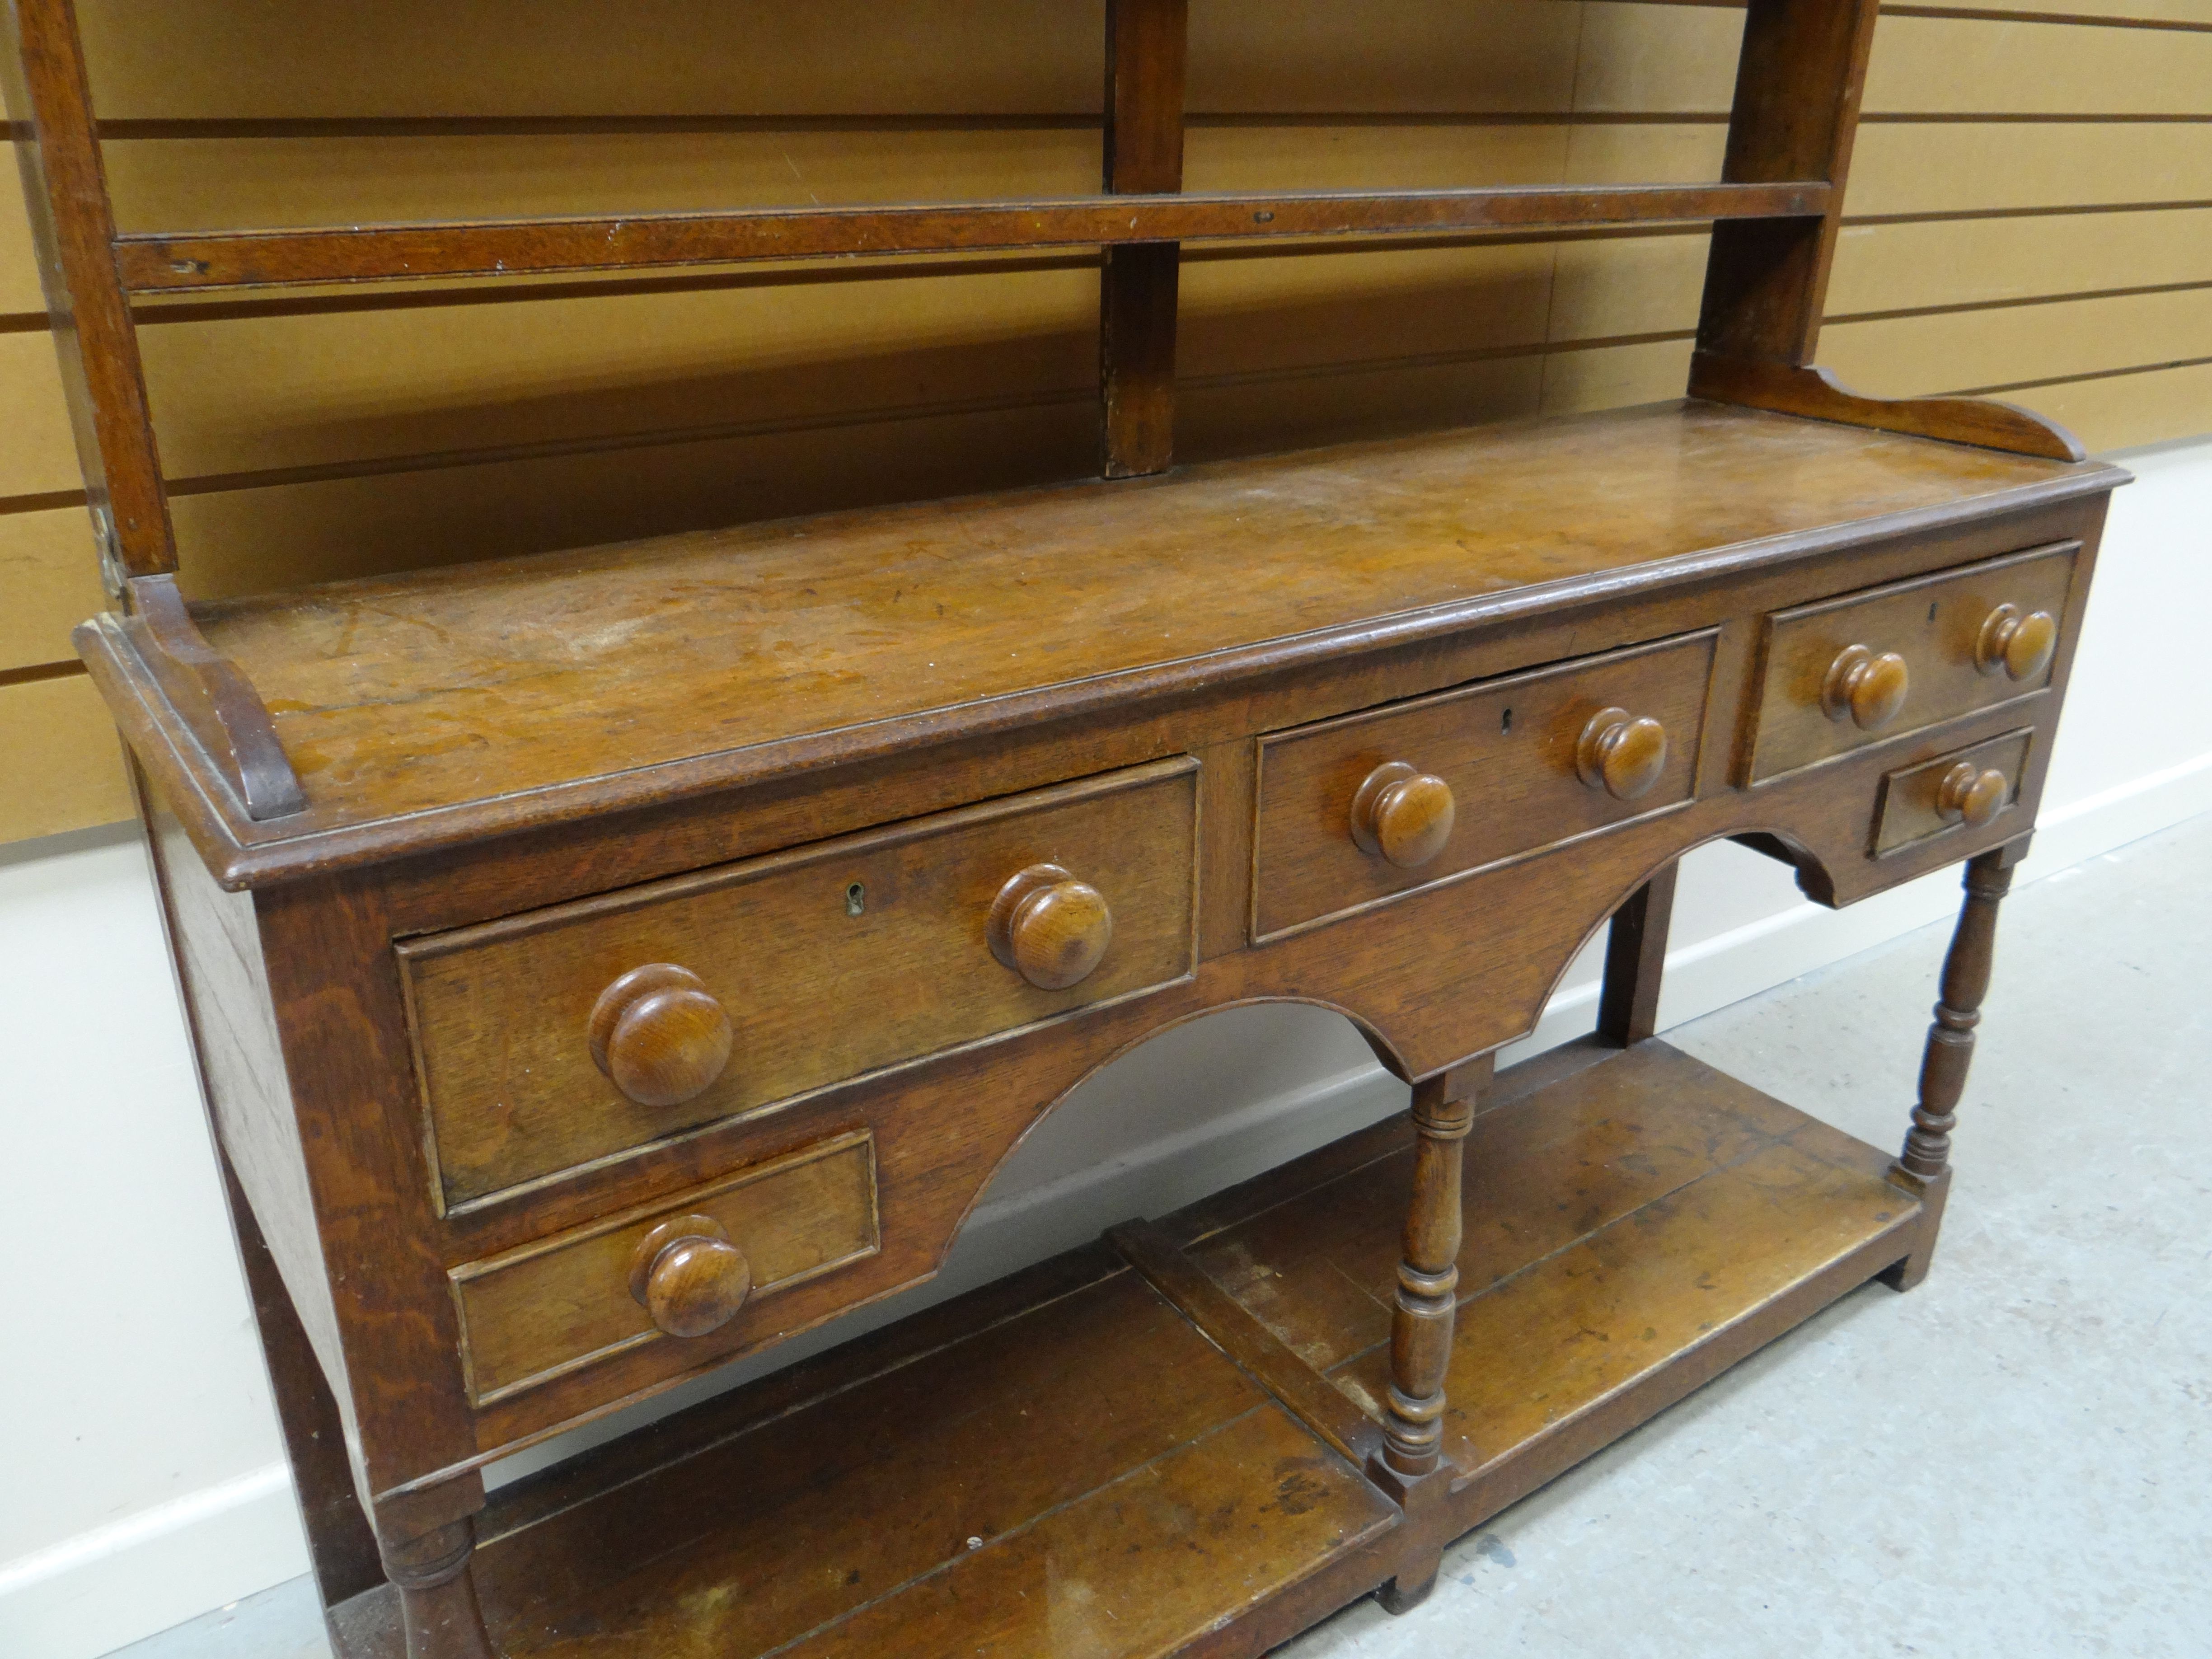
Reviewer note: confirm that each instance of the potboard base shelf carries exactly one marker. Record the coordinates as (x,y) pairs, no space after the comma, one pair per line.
(1125,1450)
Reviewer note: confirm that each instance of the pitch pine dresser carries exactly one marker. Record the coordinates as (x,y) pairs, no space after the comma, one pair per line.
(609,963)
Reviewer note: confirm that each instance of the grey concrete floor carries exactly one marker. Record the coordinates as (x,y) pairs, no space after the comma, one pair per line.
(2014,1460)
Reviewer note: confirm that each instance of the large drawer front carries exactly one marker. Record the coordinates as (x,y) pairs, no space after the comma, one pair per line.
(1941,627)
(827,962)
(1508,751)
(553,1306)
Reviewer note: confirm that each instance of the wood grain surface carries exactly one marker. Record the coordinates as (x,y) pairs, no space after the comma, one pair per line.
(1935,624)
(1506,751)
(1910,809)
(822,982)
(566,1302)
(890,621)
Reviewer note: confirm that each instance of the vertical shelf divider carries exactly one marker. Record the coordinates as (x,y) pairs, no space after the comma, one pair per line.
(1146,50)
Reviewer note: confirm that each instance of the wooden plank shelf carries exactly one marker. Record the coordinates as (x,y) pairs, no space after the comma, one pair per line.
(1085,1458)
(154,262)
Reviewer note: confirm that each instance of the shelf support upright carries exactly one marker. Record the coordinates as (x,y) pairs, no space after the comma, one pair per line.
(1924,1164)
(1796,116)
(73,229)
(1146,48)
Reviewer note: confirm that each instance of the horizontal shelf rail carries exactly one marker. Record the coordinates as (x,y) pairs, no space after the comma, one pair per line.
(154,262)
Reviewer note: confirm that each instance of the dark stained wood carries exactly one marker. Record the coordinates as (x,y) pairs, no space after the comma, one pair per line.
(1799,77)
(180,261)
(1808,706)
(554,1306)
(1636,961)
(1146,49)
(73,228)
(820,991)
(1950,1048)
(1050,927)
(2020,646)
(1967,789)
(1365,544)
(1271,1362)
(340,1544)
(655,949)
(1506,756)
(1815,393)
(216,703)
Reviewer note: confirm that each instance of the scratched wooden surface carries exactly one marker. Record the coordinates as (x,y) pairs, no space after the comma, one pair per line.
(400,694)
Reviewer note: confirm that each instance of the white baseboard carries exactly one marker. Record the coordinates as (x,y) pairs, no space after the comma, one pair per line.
(97,1592)
(117,1583)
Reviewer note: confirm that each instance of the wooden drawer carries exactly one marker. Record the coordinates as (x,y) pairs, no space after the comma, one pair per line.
(1936,626)
(1509,753)
(553,1306)
(1934,798)
(815,966)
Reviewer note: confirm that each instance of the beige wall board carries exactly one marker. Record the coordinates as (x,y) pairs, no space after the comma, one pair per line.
(1951,65)
(248,541)
(343,177)
(1961,350)
(1391,155)
(19,261)
(1615,286)
(1948,262)
(1324,311)
(1256,414)
(2119,410)
(1636,153)
(1615,377)
(60,756)
(1972,167)
(309,59)
(1415,56)
(327,389)
(38,454)
(49,583)
(1655,59)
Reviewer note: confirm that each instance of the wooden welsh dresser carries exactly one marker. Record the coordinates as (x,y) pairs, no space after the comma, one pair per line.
(606,963)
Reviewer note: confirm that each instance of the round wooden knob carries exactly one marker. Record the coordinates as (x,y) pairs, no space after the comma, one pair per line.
(659,1035)
(2019,647)
(687,1274)
(1402,815)
(1050,927)
(1863,689)
(1623,756)
(1970,795)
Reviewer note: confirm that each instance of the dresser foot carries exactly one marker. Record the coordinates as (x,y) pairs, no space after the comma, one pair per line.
(437,1594)
(1403,1594)
(1909,1272)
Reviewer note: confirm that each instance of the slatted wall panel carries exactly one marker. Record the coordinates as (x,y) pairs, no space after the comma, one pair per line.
(2030,213)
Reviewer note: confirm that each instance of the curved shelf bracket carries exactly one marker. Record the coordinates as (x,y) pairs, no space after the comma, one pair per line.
(1789,389)
(212,698)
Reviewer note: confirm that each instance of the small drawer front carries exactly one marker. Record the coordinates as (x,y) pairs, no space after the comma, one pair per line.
(1948,792)
(1355,811)
(552,1041)
(1950,644)
(549,1307)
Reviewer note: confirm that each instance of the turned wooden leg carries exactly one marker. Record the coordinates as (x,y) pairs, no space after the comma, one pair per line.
(1925,1165)
(437,1596)
(1412,1464)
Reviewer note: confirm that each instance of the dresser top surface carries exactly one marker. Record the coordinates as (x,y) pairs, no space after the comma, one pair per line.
(780,645)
